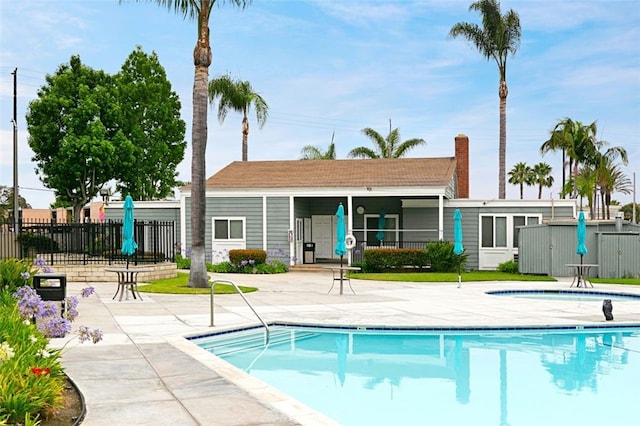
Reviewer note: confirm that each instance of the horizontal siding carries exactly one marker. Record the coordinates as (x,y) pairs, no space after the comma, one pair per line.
(278,228)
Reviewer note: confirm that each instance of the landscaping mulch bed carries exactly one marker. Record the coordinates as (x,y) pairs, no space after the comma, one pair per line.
(73,411)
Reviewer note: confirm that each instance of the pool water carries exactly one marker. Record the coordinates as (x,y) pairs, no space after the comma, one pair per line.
(571,295)
(475,377)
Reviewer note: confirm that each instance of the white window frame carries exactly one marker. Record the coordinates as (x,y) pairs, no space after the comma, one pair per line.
(229,219)
(509,225)
(490,257)
(387,216)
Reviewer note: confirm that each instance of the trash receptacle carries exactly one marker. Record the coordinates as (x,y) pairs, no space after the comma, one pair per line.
(309,253)
(52,287)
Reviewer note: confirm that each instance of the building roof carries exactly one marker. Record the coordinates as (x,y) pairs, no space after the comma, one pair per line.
(401,172)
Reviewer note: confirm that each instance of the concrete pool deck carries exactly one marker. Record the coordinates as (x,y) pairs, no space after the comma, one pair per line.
(144,372)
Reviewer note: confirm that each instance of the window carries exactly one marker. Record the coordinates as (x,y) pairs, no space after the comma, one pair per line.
(228,229)
(494,231)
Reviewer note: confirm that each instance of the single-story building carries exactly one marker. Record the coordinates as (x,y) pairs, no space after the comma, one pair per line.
(288,208)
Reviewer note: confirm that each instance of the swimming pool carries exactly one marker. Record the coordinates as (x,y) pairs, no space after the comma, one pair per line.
(386,376)
(576,295)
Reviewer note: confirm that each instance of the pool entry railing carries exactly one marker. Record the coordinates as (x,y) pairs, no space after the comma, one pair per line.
(266,327)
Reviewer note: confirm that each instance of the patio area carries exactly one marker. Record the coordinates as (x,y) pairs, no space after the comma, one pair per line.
(144,370)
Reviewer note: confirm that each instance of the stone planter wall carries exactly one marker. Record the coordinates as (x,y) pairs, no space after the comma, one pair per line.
(96,273)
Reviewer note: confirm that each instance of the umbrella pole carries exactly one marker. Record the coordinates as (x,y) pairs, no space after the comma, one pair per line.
(341,272)
(459,277)
(580,278)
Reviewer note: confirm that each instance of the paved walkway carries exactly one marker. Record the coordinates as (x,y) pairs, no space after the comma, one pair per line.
(145,373)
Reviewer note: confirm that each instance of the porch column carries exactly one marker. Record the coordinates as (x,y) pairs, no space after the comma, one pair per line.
(265,220)
(292,231)
(440,218)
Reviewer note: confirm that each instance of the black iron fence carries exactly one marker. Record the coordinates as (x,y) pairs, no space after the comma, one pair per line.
(84,243)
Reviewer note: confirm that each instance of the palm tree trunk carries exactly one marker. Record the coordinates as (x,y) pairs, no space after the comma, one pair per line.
(245,137)
(202,60)
(564,171)
(540,192)
(502,148)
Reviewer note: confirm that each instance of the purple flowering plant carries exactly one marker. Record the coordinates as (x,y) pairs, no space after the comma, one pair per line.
(49,318)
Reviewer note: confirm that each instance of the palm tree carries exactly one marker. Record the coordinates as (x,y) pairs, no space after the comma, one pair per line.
(310,152)
(542,177)
(389,147)
(200,11)
(238,96)
(522,175)
(498,37)
(609,177)
(577,142)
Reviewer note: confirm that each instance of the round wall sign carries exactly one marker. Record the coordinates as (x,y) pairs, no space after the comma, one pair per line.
(360,209)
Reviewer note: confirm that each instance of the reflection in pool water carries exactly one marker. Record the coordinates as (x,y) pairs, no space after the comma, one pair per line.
(480,377)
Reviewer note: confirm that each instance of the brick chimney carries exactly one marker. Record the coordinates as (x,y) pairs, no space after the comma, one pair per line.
(462,165)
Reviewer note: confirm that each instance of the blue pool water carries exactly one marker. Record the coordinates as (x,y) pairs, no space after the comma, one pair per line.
(449,377)
(575,295)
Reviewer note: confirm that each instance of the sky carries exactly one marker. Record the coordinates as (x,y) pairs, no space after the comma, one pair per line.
(335,67)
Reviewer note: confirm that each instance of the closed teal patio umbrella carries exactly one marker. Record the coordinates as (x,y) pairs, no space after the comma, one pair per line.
(381,225)
(341,244)
(458,248)
(341,234)
(581,249)
(129,245)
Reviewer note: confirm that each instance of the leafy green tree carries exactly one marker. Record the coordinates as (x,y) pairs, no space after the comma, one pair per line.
(521,175)
(238,96)
(200,11)
(73,131)
(310,152)
(6,201)
(627,209)
(498,37)
(389,147)
(151,121)
(542,177)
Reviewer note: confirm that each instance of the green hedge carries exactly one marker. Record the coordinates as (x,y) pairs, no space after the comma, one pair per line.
(247,256)
(392,259)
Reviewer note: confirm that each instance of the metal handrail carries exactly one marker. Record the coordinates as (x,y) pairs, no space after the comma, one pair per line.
(266,327)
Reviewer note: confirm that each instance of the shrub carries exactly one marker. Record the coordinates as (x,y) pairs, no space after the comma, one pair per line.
(247,256)
(32,243)
(510,266)
(183,262)
(397,260)
(15,273)
(442,257)
(270,267)
(31,377)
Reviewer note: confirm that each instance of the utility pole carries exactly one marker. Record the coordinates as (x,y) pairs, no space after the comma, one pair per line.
(16,195)
(635,206)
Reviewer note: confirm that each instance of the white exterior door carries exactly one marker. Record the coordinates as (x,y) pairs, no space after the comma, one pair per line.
(324,235)
(299,238)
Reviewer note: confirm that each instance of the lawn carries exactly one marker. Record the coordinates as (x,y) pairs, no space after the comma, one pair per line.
(476,276)
(179,285)
(419,277)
